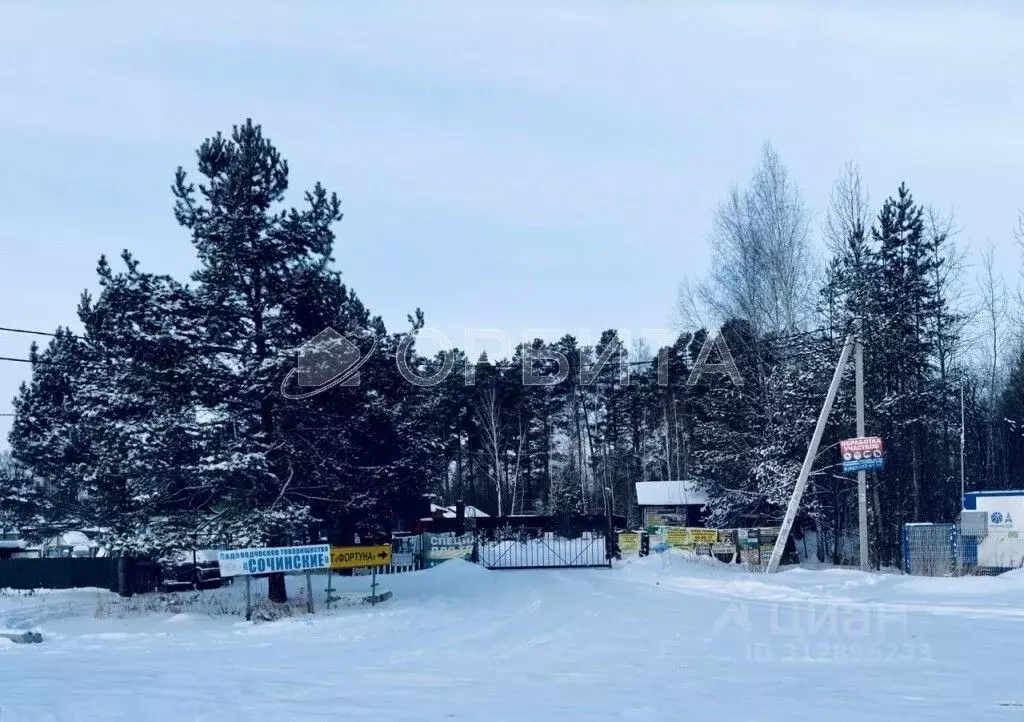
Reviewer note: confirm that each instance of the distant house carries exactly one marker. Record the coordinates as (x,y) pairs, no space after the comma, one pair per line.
(10,546)
(72,544)
(671,503)
(448,512)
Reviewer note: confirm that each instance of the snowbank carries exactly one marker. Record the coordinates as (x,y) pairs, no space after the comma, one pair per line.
(640,641)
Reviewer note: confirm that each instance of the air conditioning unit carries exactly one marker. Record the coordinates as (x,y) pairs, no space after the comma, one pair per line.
(973,523)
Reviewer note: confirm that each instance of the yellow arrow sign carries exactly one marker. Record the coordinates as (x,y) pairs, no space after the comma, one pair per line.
(354,557)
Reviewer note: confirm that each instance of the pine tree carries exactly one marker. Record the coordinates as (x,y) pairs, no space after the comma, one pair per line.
(22,498)
(45,437)
(139,396)
(257,263)
(565,500)
(727,432)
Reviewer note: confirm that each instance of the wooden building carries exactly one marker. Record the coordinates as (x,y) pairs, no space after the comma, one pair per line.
(671,503)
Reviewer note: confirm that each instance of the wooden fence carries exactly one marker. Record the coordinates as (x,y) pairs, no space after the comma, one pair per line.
(73,573)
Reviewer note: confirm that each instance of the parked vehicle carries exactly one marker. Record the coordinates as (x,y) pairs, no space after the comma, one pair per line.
(197,569)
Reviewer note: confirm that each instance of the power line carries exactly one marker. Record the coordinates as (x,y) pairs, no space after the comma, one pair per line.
(32,333)
(768,337)
(778,341)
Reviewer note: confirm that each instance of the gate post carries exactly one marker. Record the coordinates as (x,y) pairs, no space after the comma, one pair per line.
(609,543)
(905,544)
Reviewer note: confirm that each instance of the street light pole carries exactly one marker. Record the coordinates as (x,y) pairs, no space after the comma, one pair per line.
(963,436)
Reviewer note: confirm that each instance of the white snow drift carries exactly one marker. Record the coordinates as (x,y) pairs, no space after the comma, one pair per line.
(663,638)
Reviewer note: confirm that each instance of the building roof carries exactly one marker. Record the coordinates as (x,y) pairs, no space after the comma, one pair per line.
(448,512)
(471,511)
(669,493)
(1008,492)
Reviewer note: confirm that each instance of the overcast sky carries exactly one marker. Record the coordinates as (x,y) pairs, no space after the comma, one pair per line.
(513,165)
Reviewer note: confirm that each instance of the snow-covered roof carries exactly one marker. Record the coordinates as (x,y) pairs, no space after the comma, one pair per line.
(73,539)
(448,512)
(470,511)
(669,493)
(12,543)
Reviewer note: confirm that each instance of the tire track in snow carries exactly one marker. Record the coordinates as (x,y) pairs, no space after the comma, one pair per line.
(481,634)
(29,616)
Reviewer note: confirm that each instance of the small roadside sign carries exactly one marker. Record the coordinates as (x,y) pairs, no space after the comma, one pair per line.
(629,542)
(678,537)
(403,551)
(864,453)
(682,537)
(748,538)
(704,536)
(723,548)
(355,557)
(442,547)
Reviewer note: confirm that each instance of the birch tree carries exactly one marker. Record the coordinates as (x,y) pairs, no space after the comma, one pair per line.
(761,262)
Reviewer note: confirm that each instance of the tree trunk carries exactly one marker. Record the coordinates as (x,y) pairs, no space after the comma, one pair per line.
(125,569)
(915,471)
(579,446)
(460,490)
(277,592)
(880,546)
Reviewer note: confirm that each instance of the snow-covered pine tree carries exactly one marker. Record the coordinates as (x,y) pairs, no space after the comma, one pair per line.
(607,387)
(539,404)
(256,259)
(565,500)
(21,498)
(572,420)
(139,395)
(364,455)
(729,424)
(910,334)
(749,441)
(45,437)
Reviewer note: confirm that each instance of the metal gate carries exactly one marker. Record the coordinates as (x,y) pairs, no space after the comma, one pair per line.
(929,549)
(526,547)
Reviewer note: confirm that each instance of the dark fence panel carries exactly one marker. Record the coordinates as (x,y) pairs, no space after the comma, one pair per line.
(75,573)
(67,573)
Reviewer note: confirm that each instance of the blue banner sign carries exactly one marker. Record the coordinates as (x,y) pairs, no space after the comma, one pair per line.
(863,465)
(241,562)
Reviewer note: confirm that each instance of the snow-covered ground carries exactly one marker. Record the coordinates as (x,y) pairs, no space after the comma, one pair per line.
(663,638)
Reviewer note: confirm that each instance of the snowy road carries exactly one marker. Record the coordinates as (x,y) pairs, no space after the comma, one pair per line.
(661,639)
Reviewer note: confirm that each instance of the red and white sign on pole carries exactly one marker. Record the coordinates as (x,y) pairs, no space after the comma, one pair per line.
(862,454)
